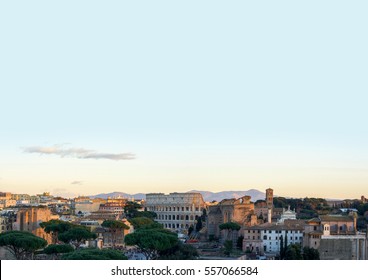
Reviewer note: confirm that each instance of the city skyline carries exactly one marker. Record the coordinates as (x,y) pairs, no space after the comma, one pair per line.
(139,99)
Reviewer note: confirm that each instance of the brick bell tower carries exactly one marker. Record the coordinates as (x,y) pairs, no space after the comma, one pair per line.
(269,201)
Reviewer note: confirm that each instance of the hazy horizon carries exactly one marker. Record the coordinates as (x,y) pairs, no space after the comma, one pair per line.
(73,195)
(161,97)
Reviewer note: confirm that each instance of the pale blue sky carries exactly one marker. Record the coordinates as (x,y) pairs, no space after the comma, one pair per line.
(212,95)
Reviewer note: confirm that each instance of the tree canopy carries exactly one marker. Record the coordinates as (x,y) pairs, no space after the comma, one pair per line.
(132,210)
(310,254)
(116,229)
(228,247)
(140,222)
(115,225)
(94,254)
(229,226)
(179,252)
(55,227)
(76,236)
(21,244)
(56,249)
(152,242)
(293,252)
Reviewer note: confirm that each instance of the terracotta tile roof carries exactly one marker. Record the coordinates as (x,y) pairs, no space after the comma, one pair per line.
(336,218)
(289,225)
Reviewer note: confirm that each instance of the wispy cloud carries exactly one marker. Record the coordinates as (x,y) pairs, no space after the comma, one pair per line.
(77,183)
(80,153)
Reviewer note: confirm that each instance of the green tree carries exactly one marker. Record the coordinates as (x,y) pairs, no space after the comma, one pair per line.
(76,236)
(55,227)
(228,247)
(239,242)
(179,252)
(21,244)
(204,214)
(56,249)
(95,254)
(152,242)
(132,210)
(285,243)
(190,229)
(282,248)
(310,254)
(141,222)
(293,252)
(116,229)
(148,214)
(199,224)
(229,227)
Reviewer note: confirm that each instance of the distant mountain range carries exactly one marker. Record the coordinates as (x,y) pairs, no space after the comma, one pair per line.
(211,196)
(207,196)
(136,196)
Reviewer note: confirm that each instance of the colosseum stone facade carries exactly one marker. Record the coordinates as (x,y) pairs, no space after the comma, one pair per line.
(176,211)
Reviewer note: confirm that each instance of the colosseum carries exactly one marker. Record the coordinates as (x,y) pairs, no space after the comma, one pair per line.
(176,211)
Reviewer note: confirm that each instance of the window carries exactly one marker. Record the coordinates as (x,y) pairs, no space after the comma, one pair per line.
(265,237)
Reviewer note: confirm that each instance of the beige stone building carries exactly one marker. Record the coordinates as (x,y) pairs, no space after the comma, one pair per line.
(29,219)
(176,211)
(5,224)
(20,196)
(336,238)
(240,211)
(5,195)
(5,203)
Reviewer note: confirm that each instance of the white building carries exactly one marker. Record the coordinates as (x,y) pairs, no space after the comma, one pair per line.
(287,215)
(266,238)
